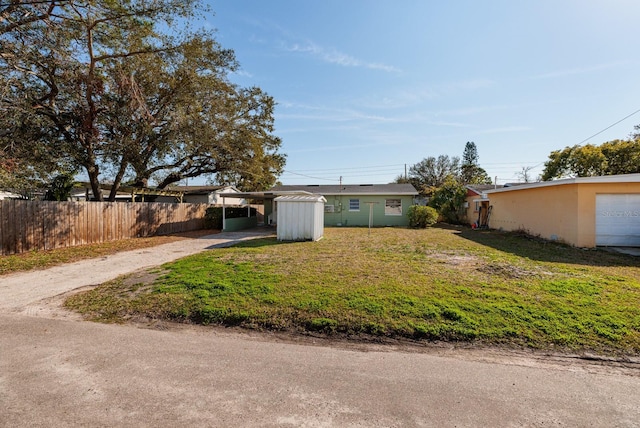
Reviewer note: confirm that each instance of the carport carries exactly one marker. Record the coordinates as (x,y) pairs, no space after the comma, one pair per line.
(266,198)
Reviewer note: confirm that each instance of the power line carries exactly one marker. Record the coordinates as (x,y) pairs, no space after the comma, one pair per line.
(357,167)
(610,126)
(308,176)
(396,165)
(349,173)
(599,132)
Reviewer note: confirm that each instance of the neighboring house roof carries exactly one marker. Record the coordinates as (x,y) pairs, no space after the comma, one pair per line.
(9,195)
(623,178)
(479,189)
(82,194)
(202,190)
(351,189)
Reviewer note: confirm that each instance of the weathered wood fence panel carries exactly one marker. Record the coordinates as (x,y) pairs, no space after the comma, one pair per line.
(44,225)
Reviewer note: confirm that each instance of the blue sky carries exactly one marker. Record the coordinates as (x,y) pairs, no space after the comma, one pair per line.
(365,87)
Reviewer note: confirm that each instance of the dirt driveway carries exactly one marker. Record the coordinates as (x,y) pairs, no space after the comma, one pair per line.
(58,371)
(25,290)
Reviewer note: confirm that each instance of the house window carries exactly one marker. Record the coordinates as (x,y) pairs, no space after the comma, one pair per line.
(328,208)
(354,204)
(392,207)
(477,208)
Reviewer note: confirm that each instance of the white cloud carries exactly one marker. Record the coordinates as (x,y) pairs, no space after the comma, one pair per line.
(504,129)
(333,56)
(243,73)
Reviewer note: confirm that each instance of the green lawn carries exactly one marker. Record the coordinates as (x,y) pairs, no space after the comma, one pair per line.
(434,284)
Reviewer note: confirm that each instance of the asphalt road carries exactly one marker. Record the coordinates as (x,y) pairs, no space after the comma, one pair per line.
(60,371)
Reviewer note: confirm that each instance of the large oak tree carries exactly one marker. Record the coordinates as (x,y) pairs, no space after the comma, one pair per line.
(120,90)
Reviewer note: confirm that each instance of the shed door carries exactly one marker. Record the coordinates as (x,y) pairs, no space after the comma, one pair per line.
(618,220)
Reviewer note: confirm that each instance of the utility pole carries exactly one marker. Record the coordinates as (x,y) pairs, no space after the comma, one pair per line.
(405,171)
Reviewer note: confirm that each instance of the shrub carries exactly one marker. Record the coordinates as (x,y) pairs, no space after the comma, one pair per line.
(421,216)
(449,200)
(213,218)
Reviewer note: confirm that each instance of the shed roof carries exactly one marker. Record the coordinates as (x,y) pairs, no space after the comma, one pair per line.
(300,198)
(622,178)
(352,189)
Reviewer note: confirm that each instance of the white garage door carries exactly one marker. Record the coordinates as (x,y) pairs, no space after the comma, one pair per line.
(618,220)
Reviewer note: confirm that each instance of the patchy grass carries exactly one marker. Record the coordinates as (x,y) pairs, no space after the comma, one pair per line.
(434,284)
(45,259)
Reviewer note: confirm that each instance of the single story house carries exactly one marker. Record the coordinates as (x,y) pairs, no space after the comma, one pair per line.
(583,212)
(477,204)
(355,204)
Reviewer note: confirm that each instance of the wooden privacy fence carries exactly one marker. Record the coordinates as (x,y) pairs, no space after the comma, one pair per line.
(44,225)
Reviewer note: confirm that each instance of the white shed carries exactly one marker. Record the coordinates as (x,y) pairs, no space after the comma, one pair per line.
(300,217)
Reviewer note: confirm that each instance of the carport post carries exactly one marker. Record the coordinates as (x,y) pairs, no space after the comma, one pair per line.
(224,219)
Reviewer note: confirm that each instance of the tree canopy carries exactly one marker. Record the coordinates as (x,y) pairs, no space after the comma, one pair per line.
(431,173)
(119,91)
(449,200)
(610,158)
(470,170)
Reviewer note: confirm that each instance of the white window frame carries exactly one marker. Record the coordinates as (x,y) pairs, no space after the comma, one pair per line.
(392,210)
(352,204)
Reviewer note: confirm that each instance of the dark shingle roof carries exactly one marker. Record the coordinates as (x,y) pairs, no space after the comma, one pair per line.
(351,189)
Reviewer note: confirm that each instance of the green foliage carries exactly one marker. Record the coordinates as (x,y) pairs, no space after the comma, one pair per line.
(60,188)
(470,155)
(449,200)
(213,218)
(470,171)
(401,179)
(431,173)
(610,158)
(213,215)
(421,216)
(122,91)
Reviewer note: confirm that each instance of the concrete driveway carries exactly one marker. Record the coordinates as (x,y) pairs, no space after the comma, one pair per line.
(65,372)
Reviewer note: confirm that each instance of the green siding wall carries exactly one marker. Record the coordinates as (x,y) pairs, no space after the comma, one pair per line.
(343,216)
(240,223)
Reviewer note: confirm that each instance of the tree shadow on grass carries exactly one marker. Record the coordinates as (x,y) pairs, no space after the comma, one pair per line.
(258,243)
(535,248)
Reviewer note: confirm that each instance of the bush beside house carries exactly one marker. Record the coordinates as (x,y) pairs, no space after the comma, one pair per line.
(422,216)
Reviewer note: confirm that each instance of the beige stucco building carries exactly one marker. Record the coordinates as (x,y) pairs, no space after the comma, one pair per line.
(584,212)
